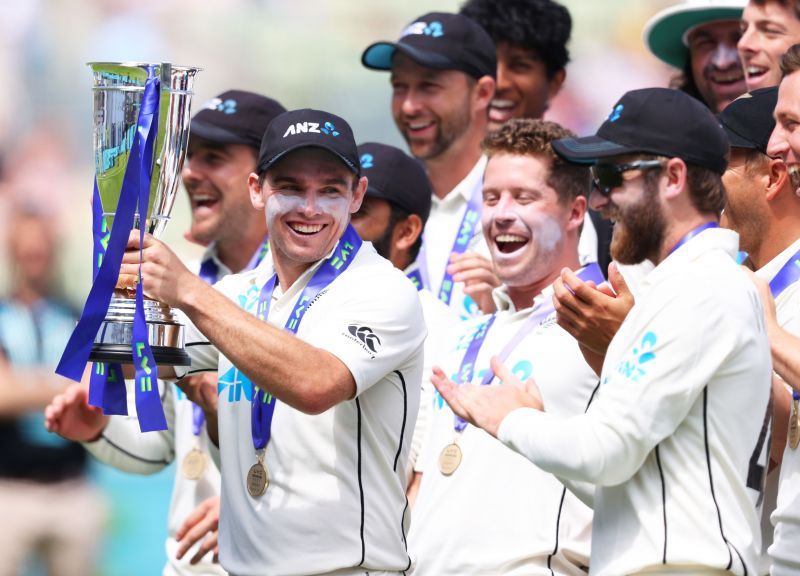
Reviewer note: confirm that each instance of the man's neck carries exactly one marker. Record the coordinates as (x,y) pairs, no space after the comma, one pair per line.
(522,296)
(452,166)
(28,294)
(781,233)
(236,255)
(676,233)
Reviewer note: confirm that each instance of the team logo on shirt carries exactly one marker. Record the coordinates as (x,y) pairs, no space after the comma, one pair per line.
(633,366)
(236,385)
(433,29)
(365,337)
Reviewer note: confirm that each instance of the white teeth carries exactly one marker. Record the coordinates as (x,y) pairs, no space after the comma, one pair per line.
(306,228)
(203,198)
(755,70)
(419,126)
(501,104)
(509,238)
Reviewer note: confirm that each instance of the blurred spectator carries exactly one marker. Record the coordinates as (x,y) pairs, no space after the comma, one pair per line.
(57,516)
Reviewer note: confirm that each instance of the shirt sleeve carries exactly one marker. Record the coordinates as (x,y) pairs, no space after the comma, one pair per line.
(373,330)
(644,395)
(203,354)
(122,445)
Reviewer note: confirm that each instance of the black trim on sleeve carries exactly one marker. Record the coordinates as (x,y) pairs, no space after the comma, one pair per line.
(663,503)
(132,455)
(405,415)
(728,545)
(199,343)
(360,484)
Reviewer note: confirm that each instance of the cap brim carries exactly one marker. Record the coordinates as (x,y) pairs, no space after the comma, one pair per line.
(588,150)
(735,140)
(379,56)
(267,165)
(664,33)
(216,134)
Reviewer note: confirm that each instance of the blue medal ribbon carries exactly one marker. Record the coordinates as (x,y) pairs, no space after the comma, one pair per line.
(693,233)
(466,230)
(786,276)
(198,417)
(135,185)
(416,279)
(262,406)
(589,273)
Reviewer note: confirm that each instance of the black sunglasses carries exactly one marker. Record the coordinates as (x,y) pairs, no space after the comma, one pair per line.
(609,176)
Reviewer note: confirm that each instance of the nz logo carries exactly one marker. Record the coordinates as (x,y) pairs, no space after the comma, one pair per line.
(366,336)
(616,113)
(366,161)
(633,368)
(311,127)
(434,29)
(224,106)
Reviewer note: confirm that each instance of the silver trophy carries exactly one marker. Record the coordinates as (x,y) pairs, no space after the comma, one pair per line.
(118,90)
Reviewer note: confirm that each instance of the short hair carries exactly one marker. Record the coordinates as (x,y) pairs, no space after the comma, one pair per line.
(533,137)
(706,191)
(790,62)
(542,26)
(784,3)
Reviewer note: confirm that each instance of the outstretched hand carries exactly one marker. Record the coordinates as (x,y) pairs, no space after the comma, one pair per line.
(69,415)
(487,406)
(201,524)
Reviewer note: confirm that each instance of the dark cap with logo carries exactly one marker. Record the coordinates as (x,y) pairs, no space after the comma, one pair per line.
(659,121)
(235,117)
(308,128)
(439,40)
(748,120)
(396,177)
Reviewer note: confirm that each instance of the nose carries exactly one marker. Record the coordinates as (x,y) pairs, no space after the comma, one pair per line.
(597,201)
(310,205)
(410,104)
(778,145)
(725,56)
(190,173)
(747,42)
(503,82)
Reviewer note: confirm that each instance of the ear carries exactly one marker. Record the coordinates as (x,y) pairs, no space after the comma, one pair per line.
(256,195)
(358,195)
(577,213)
(675,174)
(555,83)
(483,92)
(778,177)
(406,232)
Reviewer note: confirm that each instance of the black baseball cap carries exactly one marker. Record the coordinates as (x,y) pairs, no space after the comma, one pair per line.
(308,128)
(659,121)
(396,177)
(442,41)
(235,117)
(748,120)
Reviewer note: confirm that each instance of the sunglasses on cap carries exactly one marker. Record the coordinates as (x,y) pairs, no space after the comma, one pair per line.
(606,177)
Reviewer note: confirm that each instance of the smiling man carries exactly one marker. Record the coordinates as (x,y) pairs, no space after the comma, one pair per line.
(699,37)
(442,74)
(531,39)
(675,438)
(769,28)
(533,207)
(319,351)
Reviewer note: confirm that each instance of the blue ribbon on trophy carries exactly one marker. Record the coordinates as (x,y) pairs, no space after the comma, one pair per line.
(138,156)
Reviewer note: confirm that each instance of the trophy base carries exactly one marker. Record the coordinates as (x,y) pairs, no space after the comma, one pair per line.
(121,353)
(114,340)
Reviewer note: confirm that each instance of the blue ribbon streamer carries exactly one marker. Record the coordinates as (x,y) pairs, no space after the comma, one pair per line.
(106,384)
(262,406)
(693,233)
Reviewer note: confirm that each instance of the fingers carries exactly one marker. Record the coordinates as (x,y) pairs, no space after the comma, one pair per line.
(209,544)
(449,392)
(193,518)
(506,376)
(617,280)
(203,525)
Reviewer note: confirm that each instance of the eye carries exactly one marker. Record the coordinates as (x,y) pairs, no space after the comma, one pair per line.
(490,199)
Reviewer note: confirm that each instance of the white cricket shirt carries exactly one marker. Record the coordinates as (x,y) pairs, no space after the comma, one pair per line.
(676,428)
(497,513)
(785,549)
(336,497)
(441,231)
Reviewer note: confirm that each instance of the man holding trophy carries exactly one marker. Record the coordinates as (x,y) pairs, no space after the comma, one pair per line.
(314,425)
(222,152)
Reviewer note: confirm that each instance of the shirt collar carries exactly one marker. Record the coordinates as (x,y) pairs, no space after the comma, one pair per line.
(769,270)
(504,304)
(465,189)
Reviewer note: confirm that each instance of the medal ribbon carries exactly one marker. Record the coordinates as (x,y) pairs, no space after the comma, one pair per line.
(135,185)
(693,233)
(209,269)
(262,406)
(590,272)
(416,278)
(466,230)
(786,276)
